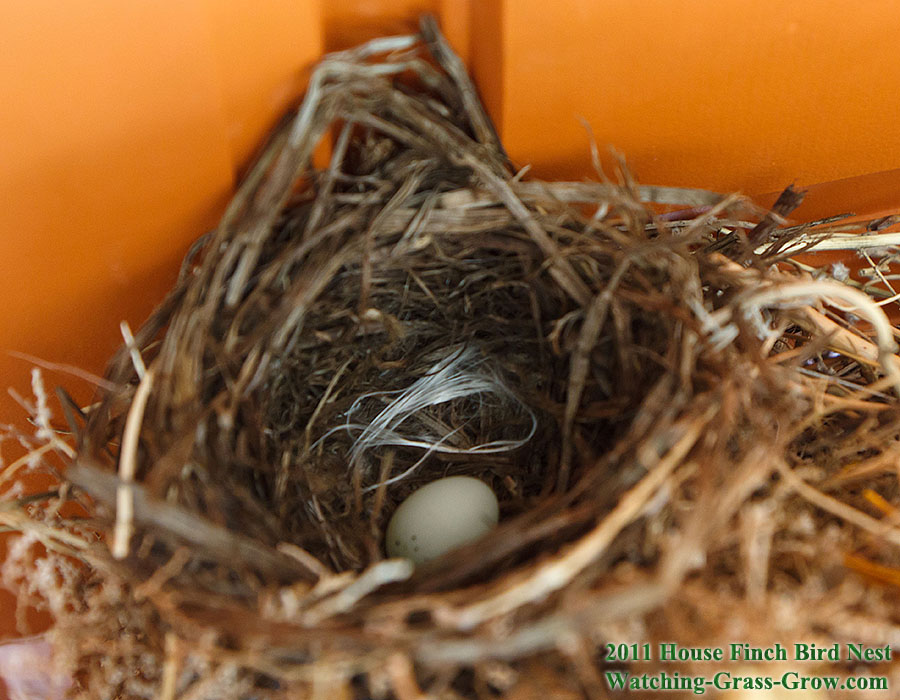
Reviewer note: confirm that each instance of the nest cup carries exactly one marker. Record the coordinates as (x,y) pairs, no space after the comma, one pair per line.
(419,309)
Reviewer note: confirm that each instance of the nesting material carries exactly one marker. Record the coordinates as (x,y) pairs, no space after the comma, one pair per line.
(693,436)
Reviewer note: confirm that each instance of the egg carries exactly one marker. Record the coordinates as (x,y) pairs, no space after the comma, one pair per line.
(441,516)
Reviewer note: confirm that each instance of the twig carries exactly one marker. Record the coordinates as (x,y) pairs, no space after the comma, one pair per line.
(558,572)
(128,468)
(881,529)
(229,546)
(31,498)
(595,318)
(376,576)
(168,684)
(139,367)
(883,351)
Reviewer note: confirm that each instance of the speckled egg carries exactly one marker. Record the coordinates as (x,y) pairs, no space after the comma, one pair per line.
(441,516)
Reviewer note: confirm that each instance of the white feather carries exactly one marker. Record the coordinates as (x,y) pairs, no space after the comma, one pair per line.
(463,373)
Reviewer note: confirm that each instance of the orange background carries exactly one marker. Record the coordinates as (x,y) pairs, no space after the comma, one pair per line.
(126,124)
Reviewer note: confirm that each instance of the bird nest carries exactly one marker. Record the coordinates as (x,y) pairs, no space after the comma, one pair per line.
(693,436)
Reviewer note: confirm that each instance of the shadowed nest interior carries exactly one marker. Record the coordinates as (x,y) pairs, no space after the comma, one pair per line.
(682,424)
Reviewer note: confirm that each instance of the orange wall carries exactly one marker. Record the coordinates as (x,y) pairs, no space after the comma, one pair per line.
(740,95)
(124,124)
